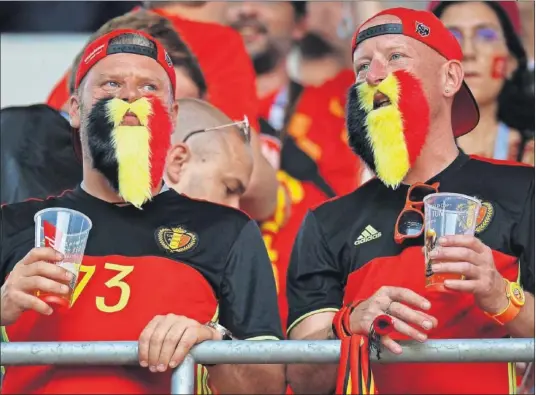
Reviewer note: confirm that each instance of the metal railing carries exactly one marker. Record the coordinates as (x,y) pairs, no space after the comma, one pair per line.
(262,352)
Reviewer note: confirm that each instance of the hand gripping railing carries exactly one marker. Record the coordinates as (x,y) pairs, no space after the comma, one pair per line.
(262,352)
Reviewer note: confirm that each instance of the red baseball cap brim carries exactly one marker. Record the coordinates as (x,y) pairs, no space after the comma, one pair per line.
(426,28)
(101,48)
(465,112)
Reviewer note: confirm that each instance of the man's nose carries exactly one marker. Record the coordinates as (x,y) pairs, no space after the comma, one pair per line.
(129,93)
(376,73)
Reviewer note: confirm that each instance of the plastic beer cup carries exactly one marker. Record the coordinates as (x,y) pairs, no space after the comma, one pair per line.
(446,214)
(66,231)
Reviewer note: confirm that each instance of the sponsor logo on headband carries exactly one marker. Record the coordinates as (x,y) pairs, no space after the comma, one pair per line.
(93,53)
(168,59)
(421,29)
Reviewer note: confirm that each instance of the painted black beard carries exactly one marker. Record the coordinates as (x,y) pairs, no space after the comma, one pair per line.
(99,136)
(357,132)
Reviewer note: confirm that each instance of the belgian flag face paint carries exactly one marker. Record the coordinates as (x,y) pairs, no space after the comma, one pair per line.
(387,125)
(132,158)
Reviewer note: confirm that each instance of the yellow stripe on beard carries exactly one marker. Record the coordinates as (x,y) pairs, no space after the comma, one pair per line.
(132,150)
(385,132)
(131,145)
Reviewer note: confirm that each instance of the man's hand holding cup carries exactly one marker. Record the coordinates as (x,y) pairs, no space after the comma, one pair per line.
(37,271)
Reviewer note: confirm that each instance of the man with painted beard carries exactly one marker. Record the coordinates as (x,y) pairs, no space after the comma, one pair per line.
(360,256)
(159,267)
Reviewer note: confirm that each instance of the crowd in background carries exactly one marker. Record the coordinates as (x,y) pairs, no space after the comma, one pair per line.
(287,66)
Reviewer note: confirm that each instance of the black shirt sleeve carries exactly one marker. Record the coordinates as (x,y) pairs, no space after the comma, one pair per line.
(314,277)
(248,303)
(17,234)
(8,257)
(523,241)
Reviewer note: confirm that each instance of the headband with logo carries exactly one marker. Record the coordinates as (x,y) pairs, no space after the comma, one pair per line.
(101,47)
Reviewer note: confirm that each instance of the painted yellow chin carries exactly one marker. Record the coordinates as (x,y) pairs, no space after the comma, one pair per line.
(132,150)
(385,132)
(133,156)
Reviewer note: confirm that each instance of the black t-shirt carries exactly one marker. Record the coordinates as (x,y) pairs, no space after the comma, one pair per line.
(346,251)
(227,249)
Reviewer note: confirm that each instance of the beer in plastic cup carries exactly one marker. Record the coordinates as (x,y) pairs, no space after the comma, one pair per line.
(66,231)
(446,214)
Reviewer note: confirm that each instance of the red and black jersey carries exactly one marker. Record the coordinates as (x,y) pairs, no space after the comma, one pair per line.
(177,255)
(346,251)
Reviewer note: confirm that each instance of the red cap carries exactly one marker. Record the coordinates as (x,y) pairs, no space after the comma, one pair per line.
(425,27)
(510,8)
(100,48)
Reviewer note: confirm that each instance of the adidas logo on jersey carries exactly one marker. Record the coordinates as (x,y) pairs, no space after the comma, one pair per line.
(367,235)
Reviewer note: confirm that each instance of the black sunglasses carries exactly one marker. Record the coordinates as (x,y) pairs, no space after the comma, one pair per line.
(243,126)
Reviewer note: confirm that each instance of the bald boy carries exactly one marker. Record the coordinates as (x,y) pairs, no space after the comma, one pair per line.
(207,161)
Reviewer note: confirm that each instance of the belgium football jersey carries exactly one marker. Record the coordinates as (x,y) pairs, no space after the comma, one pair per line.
(346,251)
(177,255)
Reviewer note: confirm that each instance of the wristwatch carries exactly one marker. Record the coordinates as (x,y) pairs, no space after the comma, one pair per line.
(516,300)
(224,332)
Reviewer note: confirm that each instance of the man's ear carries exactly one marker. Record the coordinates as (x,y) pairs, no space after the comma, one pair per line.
(177,157)
(453,78)
(74,111)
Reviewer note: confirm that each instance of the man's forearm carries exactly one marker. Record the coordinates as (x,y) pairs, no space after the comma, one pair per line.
(314,378)
(248,379)
(523,324)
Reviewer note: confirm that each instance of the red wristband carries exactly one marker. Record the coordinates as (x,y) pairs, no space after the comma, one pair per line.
(341,321)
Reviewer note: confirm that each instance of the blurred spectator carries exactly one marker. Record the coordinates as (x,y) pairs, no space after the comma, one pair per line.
(208,161)
(323,51)
(190,79)
(316,163)
(495,67)
(269,30)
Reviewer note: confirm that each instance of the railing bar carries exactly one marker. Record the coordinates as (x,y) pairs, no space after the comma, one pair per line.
(183,377)
(266,351)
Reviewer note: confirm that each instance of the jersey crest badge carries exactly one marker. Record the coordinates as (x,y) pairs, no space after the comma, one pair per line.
(484,217)
(176,239)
